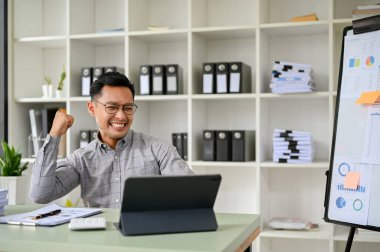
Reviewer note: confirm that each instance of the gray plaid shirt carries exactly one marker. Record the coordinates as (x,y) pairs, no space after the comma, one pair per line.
(100,170)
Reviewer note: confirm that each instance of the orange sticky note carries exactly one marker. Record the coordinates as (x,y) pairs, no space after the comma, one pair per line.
(368,97)
(352,180)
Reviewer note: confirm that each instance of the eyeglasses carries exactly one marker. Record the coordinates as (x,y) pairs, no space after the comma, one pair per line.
(112,107)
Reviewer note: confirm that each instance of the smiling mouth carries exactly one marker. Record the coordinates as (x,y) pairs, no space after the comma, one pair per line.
(118,125)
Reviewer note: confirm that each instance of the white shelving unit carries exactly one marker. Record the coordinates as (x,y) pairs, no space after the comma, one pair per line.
(47,35)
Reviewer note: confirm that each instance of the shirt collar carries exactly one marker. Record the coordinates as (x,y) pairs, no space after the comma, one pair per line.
(122,143)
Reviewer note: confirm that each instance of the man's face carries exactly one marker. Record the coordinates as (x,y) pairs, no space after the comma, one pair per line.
(112,127)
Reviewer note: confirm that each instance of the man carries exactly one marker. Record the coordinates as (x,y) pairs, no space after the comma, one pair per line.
(101,167)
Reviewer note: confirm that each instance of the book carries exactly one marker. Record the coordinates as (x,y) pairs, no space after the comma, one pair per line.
(157,28)
(308,17)
(291,224)
(64,216)
(47,120)
(3,193)
(35,117)
(62,143)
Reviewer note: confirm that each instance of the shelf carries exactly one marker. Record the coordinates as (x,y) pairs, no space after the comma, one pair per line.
(112,38)
(324,233)
(225,32)
(314,165)
(41,100)
(296,28)
(161,97)
(251,164)
(223,96)
(44,42)
(160,36)
(313,95)
(80,98)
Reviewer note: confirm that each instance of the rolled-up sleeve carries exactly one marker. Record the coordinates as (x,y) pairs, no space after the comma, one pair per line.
(51,179)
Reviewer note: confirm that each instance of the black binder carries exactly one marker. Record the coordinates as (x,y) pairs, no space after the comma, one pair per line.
(184,146)
(159,80)
(240,78)
(169,204)
(84,138)
(113,69)
(96,73)
(222,78)
(243,145)
(173,77)
(93,135)
(209,145)
(145,80)
(177,142)
(47,120)
(223,145)
(86,80)
(209,82)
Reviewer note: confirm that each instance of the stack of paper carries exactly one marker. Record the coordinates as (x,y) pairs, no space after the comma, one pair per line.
(64,215)
(366,11)
(292,146)
(3,200)
(288,77)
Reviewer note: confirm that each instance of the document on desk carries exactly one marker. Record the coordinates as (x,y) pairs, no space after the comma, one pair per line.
(50,215)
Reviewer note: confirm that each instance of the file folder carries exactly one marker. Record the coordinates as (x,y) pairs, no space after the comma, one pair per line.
(243,145)
(222,78)
(177,142)
(209,82)
(84,138)
(113,69)
(223,145)
(184,146)
(47,120)
(96,73)
(35,116)
(159,80)
(240,78)
(93,135)
(173,77)
(145,80)
(86,80)
(209,145)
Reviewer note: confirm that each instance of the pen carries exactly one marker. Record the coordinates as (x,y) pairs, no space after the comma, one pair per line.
(40,216)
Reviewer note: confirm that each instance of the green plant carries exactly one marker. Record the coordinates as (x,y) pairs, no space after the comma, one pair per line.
(63,77)
(10,162)
(47,79)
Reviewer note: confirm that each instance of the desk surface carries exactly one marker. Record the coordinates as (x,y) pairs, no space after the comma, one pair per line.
(235,233)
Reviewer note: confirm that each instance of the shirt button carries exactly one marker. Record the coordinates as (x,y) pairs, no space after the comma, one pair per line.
(115,157)
(117,200)
(117,179)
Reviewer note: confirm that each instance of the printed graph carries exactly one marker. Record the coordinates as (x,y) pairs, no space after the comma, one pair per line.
(360,189)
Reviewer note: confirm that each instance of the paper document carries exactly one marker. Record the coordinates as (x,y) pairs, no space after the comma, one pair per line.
(66,214)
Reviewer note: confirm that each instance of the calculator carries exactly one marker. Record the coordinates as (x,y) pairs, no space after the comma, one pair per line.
(91,223)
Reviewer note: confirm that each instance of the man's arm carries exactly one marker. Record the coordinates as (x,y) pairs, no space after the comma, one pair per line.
(52,180)
(169,161)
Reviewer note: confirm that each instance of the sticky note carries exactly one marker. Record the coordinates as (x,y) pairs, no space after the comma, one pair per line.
(351,180)
(368,97)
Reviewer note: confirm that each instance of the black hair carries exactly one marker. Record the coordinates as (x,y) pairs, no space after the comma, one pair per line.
(114,79)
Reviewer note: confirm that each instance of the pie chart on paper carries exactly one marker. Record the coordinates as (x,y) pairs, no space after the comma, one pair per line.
(340,202)
(370,60)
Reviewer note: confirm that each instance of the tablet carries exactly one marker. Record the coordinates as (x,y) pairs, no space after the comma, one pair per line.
(169,204)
